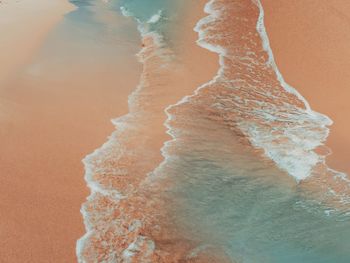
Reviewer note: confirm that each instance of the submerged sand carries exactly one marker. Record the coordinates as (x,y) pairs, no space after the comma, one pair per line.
(310,41)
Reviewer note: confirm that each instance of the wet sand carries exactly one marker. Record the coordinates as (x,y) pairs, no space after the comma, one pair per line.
(310,41)
(23,26)
(134,151)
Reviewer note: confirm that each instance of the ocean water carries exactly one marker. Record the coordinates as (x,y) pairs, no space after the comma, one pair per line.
(243,177)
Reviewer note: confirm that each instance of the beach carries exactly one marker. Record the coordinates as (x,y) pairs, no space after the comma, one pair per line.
(51,117)
(166,131)
(310,41)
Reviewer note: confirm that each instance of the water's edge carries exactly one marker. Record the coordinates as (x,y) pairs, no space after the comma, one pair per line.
(300,168)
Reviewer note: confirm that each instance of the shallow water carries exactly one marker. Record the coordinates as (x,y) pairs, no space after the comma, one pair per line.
(229,177)
(237,202)
(241,178)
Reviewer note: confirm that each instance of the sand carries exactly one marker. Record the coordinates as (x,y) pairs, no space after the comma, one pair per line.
(310,41)
(45,133)
(48,123)
(42,145)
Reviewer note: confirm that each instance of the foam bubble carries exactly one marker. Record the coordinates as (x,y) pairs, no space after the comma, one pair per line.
(156,17)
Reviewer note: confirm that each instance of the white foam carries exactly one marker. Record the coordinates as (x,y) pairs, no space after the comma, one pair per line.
(126,12)
(216,49)
(135,247)
(300,159)
(121,123)
(260,27)
(156,17)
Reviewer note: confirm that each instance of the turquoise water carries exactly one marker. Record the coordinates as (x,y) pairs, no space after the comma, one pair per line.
(167,13)
(145,9)
(243,207)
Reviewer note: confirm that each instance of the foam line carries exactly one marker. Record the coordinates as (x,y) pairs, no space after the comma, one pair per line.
(121,124)
(296,164)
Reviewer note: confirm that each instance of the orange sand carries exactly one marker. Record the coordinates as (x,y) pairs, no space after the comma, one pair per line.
(47,131)
(310,41)
(48,123)
(43,139)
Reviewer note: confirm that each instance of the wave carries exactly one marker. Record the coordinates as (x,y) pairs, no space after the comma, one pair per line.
(236,138)
(251,97)
(280,120)
(114,171)
(123,214)
(248,101)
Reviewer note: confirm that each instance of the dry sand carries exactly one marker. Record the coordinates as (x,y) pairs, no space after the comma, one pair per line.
(310,41)
(42,143)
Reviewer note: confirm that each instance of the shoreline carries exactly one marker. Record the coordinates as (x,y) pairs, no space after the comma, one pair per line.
(142,129)
(53,117)
(310,45)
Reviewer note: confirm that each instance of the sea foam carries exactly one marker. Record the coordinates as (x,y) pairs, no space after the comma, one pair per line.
(251,95)
(297,155)
(114,170)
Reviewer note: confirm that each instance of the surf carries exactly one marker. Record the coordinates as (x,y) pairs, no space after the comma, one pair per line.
(241,177)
